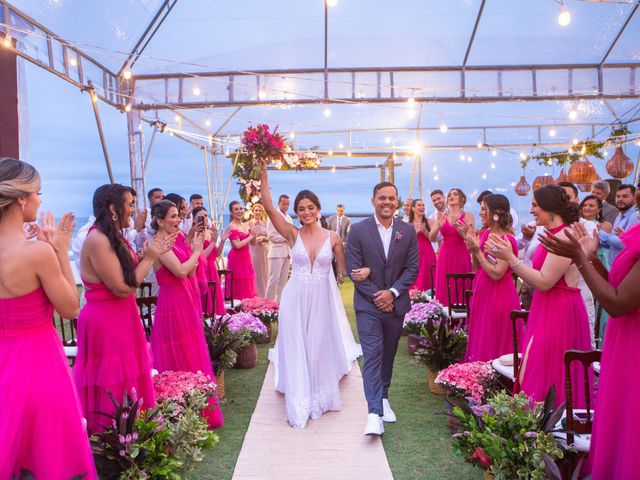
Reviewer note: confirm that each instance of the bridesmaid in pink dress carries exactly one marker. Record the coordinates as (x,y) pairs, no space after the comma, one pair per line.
(454,256)
(494,292)
(558,318)
(41,428)
(427,255)
(177,338)
(113,355)
(207,270)
(615,451)
(239,258)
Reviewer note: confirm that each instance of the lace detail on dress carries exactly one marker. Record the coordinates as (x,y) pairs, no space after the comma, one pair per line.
(301,263)
(301,409)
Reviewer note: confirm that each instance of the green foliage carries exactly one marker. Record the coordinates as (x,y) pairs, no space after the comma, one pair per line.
(587,148)
(441,345)
(511,436)
(222,344)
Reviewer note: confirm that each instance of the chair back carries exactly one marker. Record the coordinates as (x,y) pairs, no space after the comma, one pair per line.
(432,273)
(146,306)
(596,328)
(515,316)
(457,284)
(226,277)
(67,329)
(144,290)
(210,293)
(464,322)
(576,425)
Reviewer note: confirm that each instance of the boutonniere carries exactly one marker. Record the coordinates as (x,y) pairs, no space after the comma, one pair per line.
(398,236)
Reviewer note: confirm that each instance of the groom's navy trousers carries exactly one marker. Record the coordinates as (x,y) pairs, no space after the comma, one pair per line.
(380,332)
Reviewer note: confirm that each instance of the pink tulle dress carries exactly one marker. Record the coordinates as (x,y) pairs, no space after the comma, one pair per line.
(454,257)
(41,427)
(239,260)
(194,281)
(490,329)
(177,337)
(557,322)
(212,276)
(615,450)
(113,354)
(427,260)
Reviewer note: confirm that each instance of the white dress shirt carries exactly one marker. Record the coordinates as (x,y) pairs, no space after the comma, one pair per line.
(78,241)
(385,236)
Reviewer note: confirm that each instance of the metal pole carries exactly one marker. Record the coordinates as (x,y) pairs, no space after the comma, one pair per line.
(326,46)
(206,169)
(94,104)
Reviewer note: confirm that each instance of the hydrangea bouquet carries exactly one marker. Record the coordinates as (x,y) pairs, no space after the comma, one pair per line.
(475,380)
(416,319)
(247,325)
(263,308)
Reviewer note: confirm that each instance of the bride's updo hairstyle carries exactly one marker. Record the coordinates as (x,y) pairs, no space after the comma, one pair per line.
(306,195)
(554,199)
(498,206)
(115,195)
(17,180)
(160,210)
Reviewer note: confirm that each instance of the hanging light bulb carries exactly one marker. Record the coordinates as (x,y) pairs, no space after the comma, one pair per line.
(341,145)
(387,140)
(436,177)
(177,118)
(494,152)
(331,3)
(443,128)
(72,61)
(196,91)
(330,153)
(479,144)
(127,107)
(462,157)
(333,169)
(207,122)
(411,102)
(7,41)
(395,157)
(262,94)
(348,153)
(412,113)
(292,135)
(523,156)
(573,114)
(575,141)
(552,132)
(126,74)
(484,176)
(583,150)
(493,165)
(469,159)
(564,17)
(435,169)
(326,112)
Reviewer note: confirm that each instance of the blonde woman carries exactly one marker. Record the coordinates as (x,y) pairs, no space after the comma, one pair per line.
(259,247)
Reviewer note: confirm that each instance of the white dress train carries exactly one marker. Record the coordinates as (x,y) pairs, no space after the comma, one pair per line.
(315,347)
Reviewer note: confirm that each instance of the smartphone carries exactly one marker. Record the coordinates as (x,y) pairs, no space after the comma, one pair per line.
(200,219)
(491,259)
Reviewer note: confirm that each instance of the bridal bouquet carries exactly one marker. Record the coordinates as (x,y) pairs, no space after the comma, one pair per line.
(247,325)
(475,380)
(416,319)
(262,146)
(298,161)
(263,308)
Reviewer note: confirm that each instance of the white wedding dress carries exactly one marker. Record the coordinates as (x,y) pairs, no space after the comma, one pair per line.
(315,347)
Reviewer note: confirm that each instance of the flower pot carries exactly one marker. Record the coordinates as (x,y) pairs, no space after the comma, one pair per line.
(220,384)
(247,356)
(453,422)
(267,339)
(413,343)
(488,476)
(433,387)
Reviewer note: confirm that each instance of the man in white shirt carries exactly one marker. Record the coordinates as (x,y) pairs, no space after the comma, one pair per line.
(279,254)
(99,201)
(406,209)
(439,203)
(195,200)
(340,223)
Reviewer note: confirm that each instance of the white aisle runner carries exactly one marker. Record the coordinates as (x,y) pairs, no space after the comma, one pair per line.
(332,447)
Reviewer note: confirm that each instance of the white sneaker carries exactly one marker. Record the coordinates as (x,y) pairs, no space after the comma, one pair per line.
(389,415)
(374,425)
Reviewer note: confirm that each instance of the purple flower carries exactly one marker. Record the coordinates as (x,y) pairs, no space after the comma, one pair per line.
(121,439)
(121,453)
(531,435)
(398,236)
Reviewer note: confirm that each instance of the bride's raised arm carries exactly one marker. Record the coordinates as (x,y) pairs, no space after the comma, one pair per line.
(283,227)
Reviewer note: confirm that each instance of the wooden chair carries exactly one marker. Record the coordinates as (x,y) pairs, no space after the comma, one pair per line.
(461,283)
(146,306)
(144,290)
(230,304)
(210,293)
(467,304)
(510,373)
(68,331)
(579,426)
(432,273)
(596,328)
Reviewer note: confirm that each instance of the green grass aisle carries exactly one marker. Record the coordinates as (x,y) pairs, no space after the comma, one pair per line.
(417,447)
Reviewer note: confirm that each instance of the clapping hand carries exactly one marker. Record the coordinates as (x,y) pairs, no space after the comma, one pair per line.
(198,242)
(58,236)
(577,245)
(30,230)
(528,231)
(140,221)
(500,248)
(461,227)
(160,244)
(472,240)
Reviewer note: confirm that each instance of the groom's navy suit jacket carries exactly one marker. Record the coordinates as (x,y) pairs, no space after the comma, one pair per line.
(399,270)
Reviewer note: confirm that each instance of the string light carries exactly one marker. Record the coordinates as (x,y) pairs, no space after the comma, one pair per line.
(395,157)
(411,102)
(443,128)
(177,118)
(330,153)
(479,144)
(575,141)
(570,151)
(523,156)
(341,145)
(127,107)
(484,176)
(573,114)
(469,159)
(462,156)
(333,169)
(326,112)
(583,150)
(417,148)
(72,61)
(412,113)
(564,17)
(494,152)
(292,135)
(126,74)
(207,122)
(552,132)
(196,91)
(493,165)
(435,169)
(638,143)
(331,3)
(387,140)
(436,177)
(349,153)
(7,41)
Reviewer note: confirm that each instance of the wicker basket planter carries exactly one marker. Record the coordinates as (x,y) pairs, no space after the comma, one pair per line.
(269,337)
(413,343)
(247,356)
(433,387)
(220,383)
(488,476)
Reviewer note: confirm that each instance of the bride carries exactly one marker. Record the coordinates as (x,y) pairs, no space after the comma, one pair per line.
(315,346)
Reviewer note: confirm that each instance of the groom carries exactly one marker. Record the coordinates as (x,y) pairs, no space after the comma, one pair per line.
(389,248)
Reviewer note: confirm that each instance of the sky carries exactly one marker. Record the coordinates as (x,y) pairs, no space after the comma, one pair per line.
(61,139)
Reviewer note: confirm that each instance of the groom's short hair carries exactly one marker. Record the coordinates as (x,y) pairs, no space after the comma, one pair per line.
(382,185)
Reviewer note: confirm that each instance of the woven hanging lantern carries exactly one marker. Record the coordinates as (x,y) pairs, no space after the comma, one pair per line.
(584,187)
(619,165)
(522,188)
(562,177)
(583,172)
(541,181)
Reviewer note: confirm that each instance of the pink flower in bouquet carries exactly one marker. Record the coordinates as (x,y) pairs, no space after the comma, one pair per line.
(467,379)
(262,144)
(247,325)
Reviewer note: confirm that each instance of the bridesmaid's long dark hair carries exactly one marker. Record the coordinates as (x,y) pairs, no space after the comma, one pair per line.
(115,196)
(424,217)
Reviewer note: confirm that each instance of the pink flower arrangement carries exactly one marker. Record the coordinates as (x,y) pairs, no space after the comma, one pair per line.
(247,325)
(263,145)
(263,308)
(475,380)
(298,161)
(178,386)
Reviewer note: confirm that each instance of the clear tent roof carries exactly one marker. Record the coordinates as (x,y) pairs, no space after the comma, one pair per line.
(204,35)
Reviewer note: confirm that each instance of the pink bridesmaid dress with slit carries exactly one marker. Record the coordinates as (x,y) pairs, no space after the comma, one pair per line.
(490,329)
(113,355)
(615,451)
(177,337)
(454,257)
(212,276)
(427,260)
(557,322)
(239,260)
(41,428)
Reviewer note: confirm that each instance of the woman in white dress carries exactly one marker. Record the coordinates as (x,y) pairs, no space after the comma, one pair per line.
(315,347)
